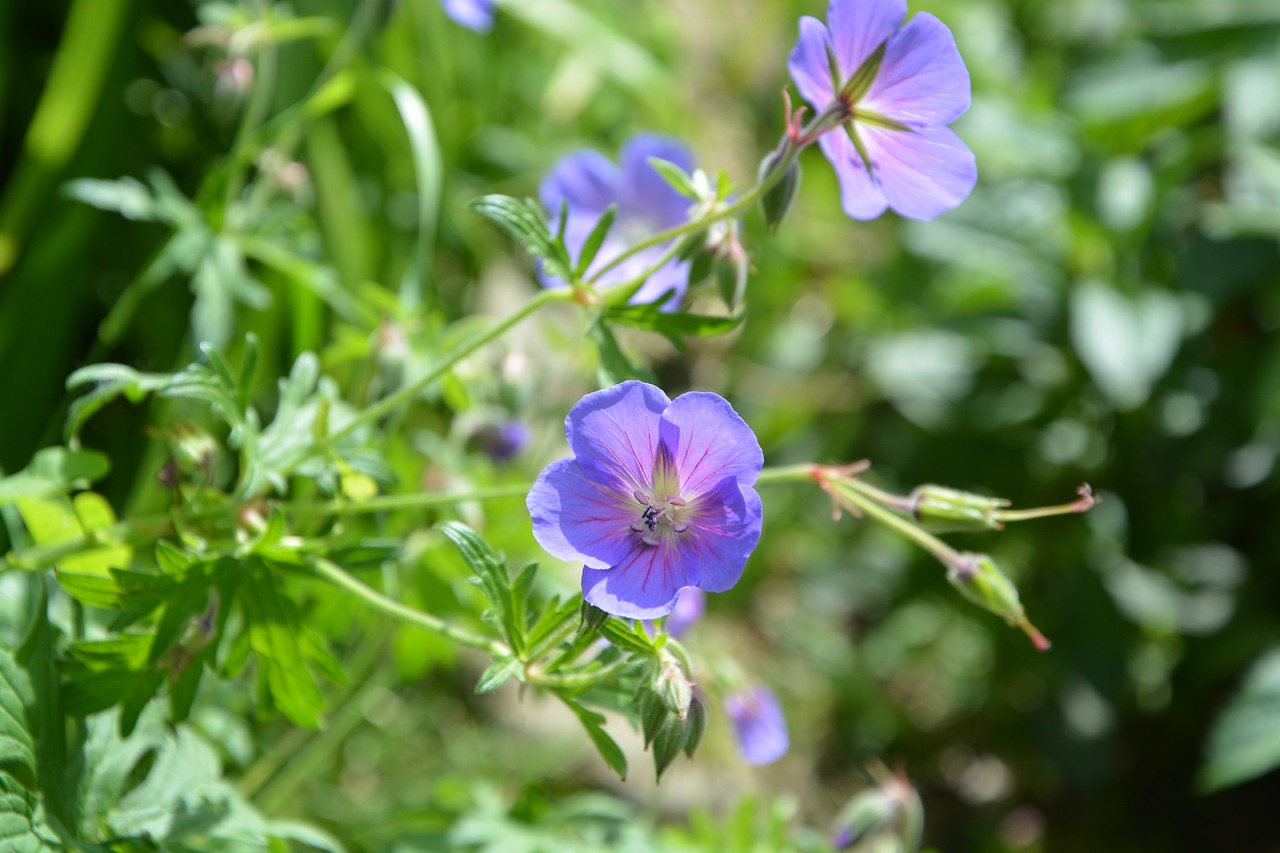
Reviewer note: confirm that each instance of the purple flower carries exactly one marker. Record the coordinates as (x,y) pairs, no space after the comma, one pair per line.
(588,182)
(898,89)
(758,725)
(473,14)
(657,497)
(690,605)
(501,441)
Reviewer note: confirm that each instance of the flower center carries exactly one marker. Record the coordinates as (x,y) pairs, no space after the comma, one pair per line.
(660,517)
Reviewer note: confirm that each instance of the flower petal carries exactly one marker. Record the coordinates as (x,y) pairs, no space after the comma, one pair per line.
(578,520)
(585,180)
(809,66)
(723,532)
(858,27)
(644,584)
(759,727)
(644,193)
(613,433)
(922,78)
(710,442)
(860,195)
(473,14)
(923,173)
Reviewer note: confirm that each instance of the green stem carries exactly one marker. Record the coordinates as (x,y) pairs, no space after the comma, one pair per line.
(788,473)
(415,500)
(336,575)
(856,494)
(254,114)
(748,198)
(393,401)
(575,680)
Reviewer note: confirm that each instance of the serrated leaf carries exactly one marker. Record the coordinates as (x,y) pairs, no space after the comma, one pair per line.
(499,672)
(524,221)
(491,574)
(605,745)
(274,627)
(1245,739)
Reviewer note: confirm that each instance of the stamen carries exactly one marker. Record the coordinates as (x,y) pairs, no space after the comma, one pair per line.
(640,496)
(679,528)
(676,501)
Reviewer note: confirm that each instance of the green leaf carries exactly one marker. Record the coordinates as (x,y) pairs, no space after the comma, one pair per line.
(525,221)
(1245,739)
(110,381)
(627,637)
(605,745)
(499,672)
(674,326)
(127,196)
(491,575)
(594,240)
(275,628)
(54,471)
(17,700)
(615,366)
(675,176)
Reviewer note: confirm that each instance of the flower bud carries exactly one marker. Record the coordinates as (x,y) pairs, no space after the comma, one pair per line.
(980,580)
(673,686)
(670,740)
(592,618)
(866,815)
(776,201)
(943,504)
(695,721)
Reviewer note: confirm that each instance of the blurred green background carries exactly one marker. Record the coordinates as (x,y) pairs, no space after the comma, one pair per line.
(1101,309)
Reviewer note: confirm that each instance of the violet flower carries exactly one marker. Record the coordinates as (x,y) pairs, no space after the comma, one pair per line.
(657,497)
(587,183)
(898,88)
(690,605)
(758,725)
(473,14)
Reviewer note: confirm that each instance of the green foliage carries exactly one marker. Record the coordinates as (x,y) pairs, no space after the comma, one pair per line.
(1245,740)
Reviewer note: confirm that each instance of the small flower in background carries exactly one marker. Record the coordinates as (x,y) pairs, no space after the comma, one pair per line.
(501,441)
(473,14)
(898,88)
(588,183)
(657,497)
(758,725)
(690,605)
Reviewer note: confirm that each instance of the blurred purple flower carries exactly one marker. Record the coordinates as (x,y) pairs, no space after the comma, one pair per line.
(473,14)
(758,725)
(501,441)
(898,89)
(690,605)
(657,497)
(588,182)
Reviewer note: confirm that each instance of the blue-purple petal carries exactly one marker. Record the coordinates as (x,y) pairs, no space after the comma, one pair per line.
(644,193)
(759,727)
(578,520)
(860,194)
(613,433)
(473,14)
(710,442)
(644,584)
(586,181)
(722,536)
(922,79)
(809,66)
(922,173)
(690,605)
(858,27)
